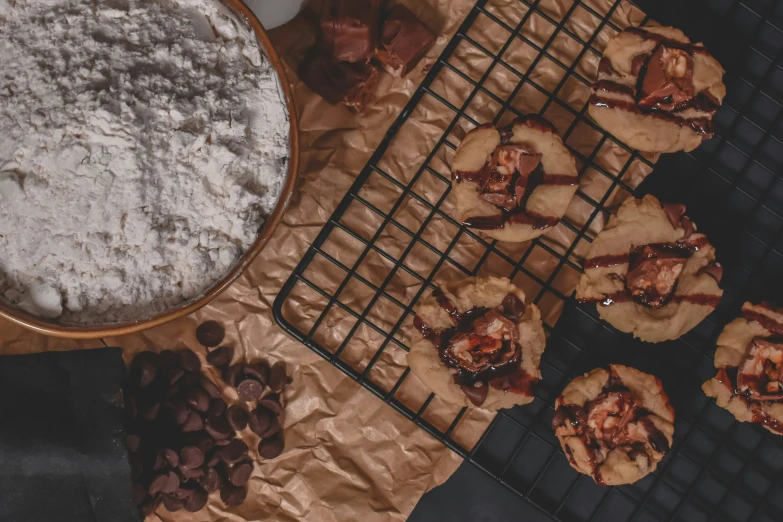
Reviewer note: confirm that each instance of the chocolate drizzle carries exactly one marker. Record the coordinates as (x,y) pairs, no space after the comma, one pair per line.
(500,369)
(623,296)
(660,97)
(727,376)
(602,425)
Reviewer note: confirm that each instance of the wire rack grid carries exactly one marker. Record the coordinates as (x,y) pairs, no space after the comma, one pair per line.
(719,469)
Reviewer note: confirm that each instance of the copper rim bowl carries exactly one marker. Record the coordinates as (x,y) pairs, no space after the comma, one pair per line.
(54,328)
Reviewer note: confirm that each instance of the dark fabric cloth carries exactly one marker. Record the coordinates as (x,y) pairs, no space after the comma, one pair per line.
(62,438)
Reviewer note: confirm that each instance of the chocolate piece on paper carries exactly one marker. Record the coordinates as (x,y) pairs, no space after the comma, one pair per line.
(352,84)
(404,42)
(349,29)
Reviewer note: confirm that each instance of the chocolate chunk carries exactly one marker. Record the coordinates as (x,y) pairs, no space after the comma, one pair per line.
(475,394)
(258,371)
(210,387)
(272,403)
(352,84)
(271,447)
(653,273)
(189,360)
(250,390)
(260,420)
(210,333)
(404,42)
(237,417)
(234,451)
(179,410)
(149,505)
(166,482)
(138,493)
(349,29)
(218,428)
(211,480)
(194,423)
(233,374)
(172,504)
(513,306)
(198,399)
(151,411)
(191,457)
(217,407)
(220,357)
(277,378)
(136,467)
(240,473)
(232,495)
(196,501)
(666,79)
(133,442)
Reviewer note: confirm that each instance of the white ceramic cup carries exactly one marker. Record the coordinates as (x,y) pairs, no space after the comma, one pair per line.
(274,13)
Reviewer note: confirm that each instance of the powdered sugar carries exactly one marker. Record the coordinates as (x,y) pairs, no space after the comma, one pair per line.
(143,143)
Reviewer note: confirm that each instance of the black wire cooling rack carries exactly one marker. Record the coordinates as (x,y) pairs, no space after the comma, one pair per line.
(719,469)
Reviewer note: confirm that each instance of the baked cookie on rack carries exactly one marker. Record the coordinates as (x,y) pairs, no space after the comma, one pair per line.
(749,359)
(477,343)
(513,184)
(614,425)
(650,272)
(656,91)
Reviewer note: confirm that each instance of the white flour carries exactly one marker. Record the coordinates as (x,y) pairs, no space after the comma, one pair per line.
(142,144)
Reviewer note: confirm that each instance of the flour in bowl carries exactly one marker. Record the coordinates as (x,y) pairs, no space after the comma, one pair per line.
(142,145)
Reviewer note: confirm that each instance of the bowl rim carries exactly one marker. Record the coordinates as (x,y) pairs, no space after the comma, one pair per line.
(53,328)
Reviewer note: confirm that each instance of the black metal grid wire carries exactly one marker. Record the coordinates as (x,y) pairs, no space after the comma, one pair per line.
(719,469)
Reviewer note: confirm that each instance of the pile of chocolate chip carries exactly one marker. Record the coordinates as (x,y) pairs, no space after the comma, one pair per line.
(181,433)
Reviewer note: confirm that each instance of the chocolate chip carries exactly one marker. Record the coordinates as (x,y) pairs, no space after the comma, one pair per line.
(211,480)
(218,428)
(232,495)
(271,447)
(213,457)
(189,380)
(147,374)
(179,410)
(237,417)
(221,357)
(133,442)
(235,451)
(200,440)
(173,375)
(260,420)
(168,358)
(191,473)
(216,407)
(233,374)
(273,428)
(136,468)
(198,398)
(277,378)
(189,360)
(223,442)
(272,403)
(166,458)
(150,412)
(250,390)
(131,406)
(476,395)
(258,371)
(149,505)
(210,333)
(196,501)
(184,491)
(144,359)
(191,457)
(194,423)
(165,482)
(210,387)
(239,474)
(172,504)
(138,493)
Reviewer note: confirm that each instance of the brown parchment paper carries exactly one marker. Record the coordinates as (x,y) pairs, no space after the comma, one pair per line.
(348,456)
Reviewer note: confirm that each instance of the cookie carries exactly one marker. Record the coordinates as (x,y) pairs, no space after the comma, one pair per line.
(513,184)
(477,343)
(749,359)
(656,91)
(650,272)
(614,425)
